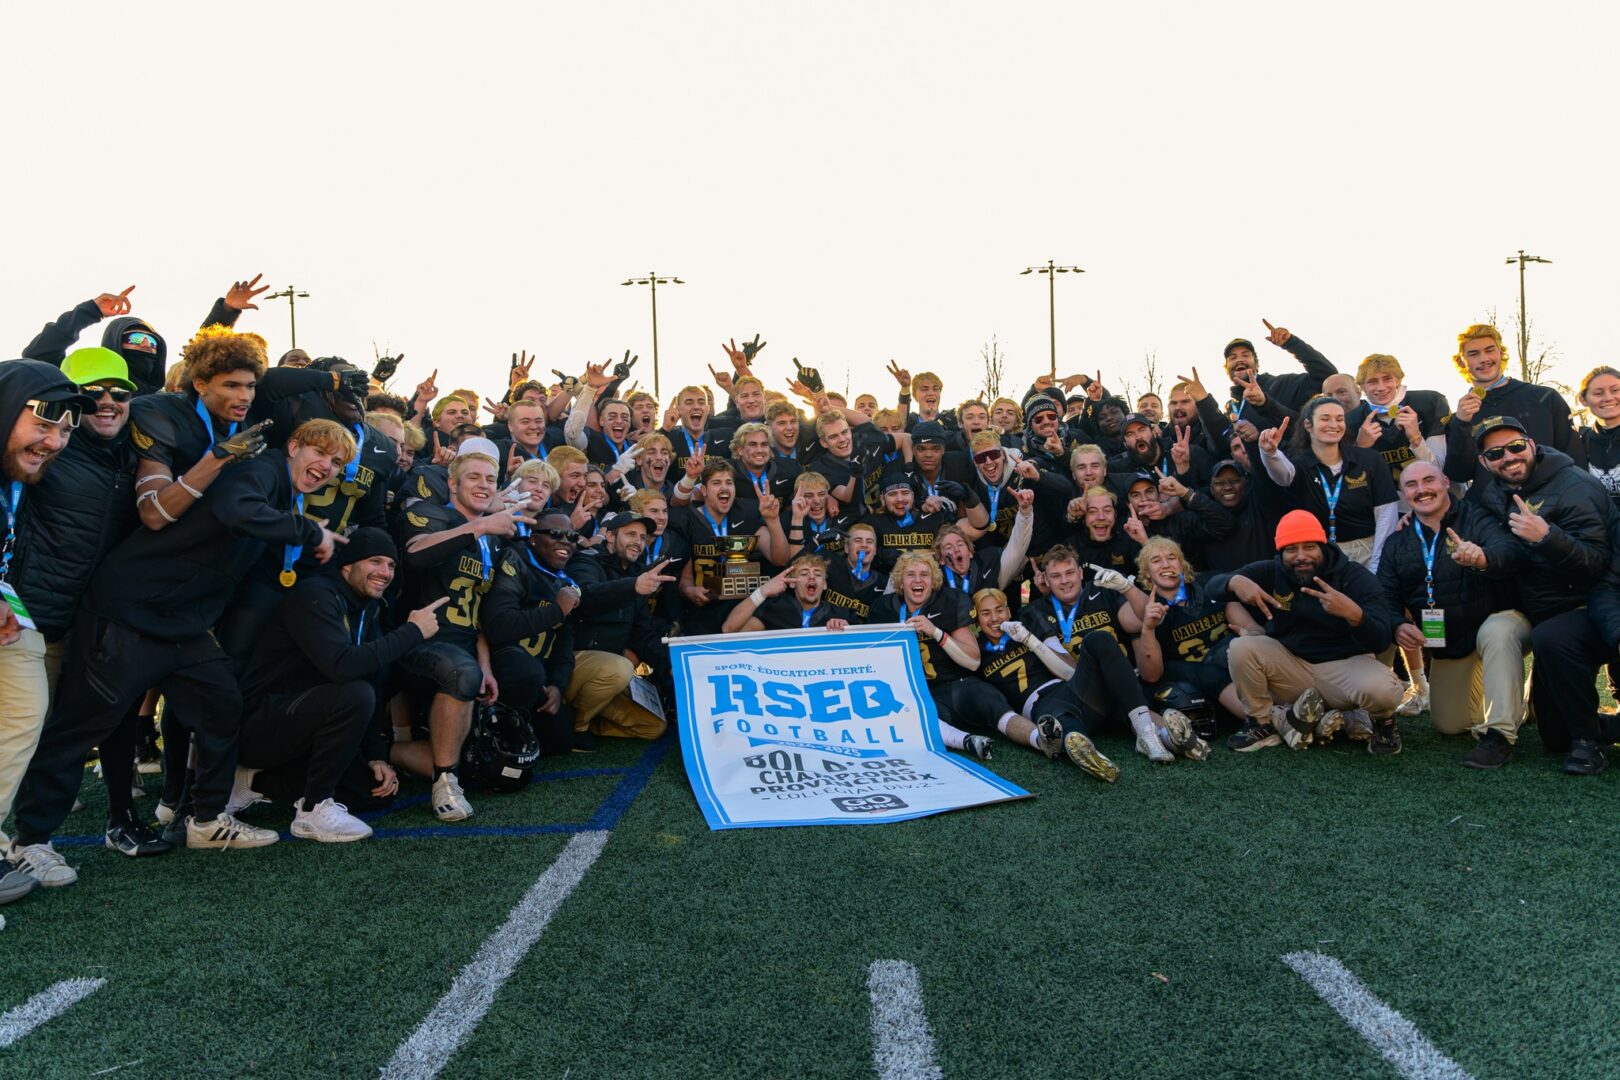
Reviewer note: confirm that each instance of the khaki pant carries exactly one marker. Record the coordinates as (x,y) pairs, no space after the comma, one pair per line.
(1483,691)
(601,704)
(25,698)
(1267,674)
(1358,551)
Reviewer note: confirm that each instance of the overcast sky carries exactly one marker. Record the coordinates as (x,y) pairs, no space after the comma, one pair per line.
(857,182)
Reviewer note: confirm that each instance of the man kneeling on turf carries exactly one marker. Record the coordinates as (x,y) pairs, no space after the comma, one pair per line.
(1327,623)
(312,727)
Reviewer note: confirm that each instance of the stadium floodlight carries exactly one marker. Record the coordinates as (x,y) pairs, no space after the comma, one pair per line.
(1051,270)
(653,281)
(1524,320)
(292,296)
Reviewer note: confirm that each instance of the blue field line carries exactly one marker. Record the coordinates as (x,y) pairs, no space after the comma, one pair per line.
(607,815)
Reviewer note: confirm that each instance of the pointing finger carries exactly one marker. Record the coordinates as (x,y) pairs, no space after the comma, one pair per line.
(1273,329)
(439,603)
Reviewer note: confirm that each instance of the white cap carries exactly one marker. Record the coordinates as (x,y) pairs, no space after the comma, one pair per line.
(477,445)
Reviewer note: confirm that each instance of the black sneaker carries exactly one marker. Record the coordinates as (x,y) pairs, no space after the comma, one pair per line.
(15,882)
(135,838)
(585,743)
(1386,738)
(1491,752)
(1253,736)
(1585,759)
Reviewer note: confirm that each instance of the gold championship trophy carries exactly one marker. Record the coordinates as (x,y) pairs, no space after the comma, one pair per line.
(738,575)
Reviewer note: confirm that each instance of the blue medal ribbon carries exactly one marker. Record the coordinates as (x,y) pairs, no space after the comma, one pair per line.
(719,528)
(619,450)
(651,554)
(208,422)
(905,522)
(1332,497)
(1066,621)
(997,646)
(485,557)
(352,469)
(290,553)
(691,446)
(860,573)
(956,582)
(992,501)
(762,480)
(1181,592)
(806,616)
(555,575)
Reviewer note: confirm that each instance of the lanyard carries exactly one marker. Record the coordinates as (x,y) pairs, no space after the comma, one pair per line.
(691,447)
(1332,497)
(619,449)
(485,557)
(762,479)
(13,509)
(353,467)
(806,616)
(360,633)
(858,572)
(1237,411)
(290,553)
(1181,592)
(958,582)
(719,528)
(555,575)
(906,615)
(905,522)
(993,499)
(928,489)
(208,421)
(651,554)
(1066,621)
(1430,549)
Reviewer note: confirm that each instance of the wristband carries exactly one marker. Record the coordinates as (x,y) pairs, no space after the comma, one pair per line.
(939,635)
(758,597)
(193,492)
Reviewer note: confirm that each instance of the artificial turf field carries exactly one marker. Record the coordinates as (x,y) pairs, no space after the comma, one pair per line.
(1134,929)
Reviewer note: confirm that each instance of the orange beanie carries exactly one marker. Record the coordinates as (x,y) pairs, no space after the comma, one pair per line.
(1299,527)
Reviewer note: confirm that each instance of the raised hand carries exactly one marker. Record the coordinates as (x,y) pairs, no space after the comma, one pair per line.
(1094,389)
(1468,406)
(722,379)
(1246,431)
(1272,438)
(738,358)
(751,349)
(770,507)
(621,370)
(519,372)
(1333,601)
(1464,553)
(1252,391)
(1276,334)
(1181,449)
(1069,382)
(428,388)
(495,408)
(110,304)
(1371,431)
(901,376)
(247,443)
(1526,524)
(241,294)
(1016,630)
(1195,386)
(810,377)
(1172,488)
(596,376)
(1112,580)
(1043,382)
(1076,509)
(1154,613)
(1135,529)
(652,579)
(778,585)
(1025,498)
(694,463)
(328,545)
(801,506)
(1407,420)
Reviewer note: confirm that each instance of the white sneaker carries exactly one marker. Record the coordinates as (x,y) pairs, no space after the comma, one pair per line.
(44,862)
(226,832)
(1416,701)
(330,823)
(449,801)
(163,812)
(242,793)
(1147,742)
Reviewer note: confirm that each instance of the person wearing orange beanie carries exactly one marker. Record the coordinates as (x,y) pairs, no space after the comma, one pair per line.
(1316,668)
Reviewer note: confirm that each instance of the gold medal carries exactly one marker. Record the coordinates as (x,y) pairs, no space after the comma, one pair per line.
(288,577)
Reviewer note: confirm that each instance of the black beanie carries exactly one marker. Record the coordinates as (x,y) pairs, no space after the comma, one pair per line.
(365,543)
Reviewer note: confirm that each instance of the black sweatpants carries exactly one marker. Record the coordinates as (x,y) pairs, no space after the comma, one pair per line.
(319,730)
(969,704)
(522,679)
(1103,689)
(108,670)
(1568,650)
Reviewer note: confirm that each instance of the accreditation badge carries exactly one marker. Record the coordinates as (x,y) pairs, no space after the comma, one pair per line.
(1434,628)
(18,608)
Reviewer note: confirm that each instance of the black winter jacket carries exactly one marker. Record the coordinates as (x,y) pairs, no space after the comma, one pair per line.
(1307,631)
(1542,411)
(1468,597)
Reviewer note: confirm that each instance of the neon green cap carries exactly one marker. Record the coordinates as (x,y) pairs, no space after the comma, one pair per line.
(88,367)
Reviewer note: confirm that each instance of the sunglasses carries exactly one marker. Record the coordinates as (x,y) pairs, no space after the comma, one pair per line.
(61,413)
(565,535)
(141,341)
(985,457)
(117,393)
(1497,453)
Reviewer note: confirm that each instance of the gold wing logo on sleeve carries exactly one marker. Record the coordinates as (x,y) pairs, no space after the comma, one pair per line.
(422,488)
(142,440)
(508,569)
(416,519)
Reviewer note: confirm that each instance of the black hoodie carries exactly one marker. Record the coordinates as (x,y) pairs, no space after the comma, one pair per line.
(1299,622)
(1542,411)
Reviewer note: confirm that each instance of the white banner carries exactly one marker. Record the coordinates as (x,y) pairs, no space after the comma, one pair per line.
(817,727)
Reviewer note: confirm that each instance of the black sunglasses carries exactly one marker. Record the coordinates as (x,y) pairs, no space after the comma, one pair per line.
(1497,453)
(984,457)
(566,535)
(117,393)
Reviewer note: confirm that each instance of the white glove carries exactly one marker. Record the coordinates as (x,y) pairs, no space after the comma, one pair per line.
(625,461)
(1110,579)
(1016,630)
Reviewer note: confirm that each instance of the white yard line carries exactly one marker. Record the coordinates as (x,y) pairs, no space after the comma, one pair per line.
(902,1047)
(428,1049)
(1390,1033)
(46,1005)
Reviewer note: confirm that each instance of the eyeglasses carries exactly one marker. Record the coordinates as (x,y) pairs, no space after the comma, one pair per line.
(117,393)
(566,535)
(985,457)
(61,413)
(1497,453)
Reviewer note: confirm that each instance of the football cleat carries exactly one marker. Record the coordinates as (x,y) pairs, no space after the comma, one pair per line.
(1084,753)
(1183,741)
(1051,735)
(978,745)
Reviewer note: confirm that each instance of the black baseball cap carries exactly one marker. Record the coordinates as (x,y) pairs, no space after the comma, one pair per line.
(1137,418)
(1235,343)
(1496,423)
(1227,464)
(624,517)
(928,432)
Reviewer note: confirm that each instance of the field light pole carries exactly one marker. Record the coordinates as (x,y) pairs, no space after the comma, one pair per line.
(1524,322)
(1052,270)
(292,296)
(653,280)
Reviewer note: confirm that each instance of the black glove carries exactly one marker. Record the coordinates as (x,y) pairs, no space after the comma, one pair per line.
(810,377)
(386,366)
(621,370)
(752,349)
(569,382)
(957,492)
(247,443)
(354,383)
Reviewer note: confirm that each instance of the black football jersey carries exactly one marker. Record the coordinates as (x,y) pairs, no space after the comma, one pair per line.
(458,569)
(947,611)
(1095,609)
(1193,628)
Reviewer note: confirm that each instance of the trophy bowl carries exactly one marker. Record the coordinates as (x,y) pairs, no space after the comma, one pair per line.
(739,575)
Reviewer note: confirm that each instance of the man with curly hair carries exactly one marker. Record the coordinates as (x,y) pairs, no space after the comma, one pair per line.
(1482,359)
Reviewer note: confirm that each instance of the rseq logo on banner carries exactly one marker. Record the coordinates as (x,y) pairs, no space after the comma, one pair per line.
(868,804)
(827,702)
